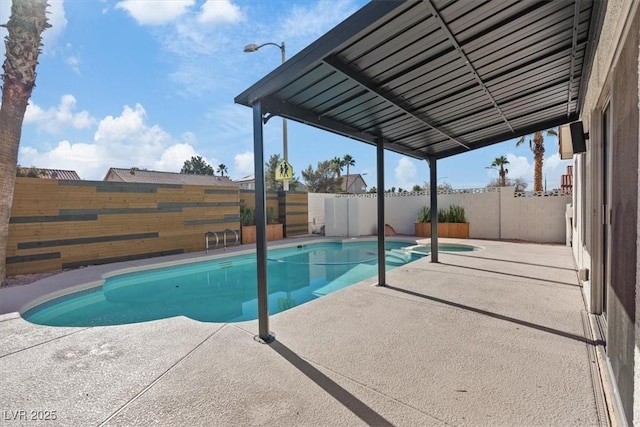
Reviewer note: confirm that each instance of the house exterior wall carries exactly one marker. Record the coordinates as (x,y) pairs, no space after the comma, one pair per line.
(624,219)
(614,82)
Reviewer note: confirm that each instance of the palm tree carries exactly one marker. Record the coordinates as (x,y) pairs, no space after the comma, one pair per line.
(222,169)
(337,165)
(536,144)
(499,163)
(348,161)
(27,22)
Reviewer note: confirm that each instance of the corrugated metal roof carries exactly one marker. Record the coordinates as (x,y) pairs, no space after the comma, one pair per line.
(155,177)
(434,78)
(59,174)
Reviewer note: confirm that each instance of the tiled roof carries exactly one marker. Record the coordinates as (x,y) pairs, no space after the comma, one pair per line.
(155,177)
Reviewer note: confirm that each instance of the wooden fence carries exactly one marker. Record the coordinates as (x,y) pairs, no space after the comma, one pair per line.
(57,225)
(294,213)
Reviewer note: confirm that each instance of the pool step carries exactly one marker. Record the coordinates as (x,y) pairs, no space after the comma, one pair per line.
(354,275)
(397,256)
(394,257)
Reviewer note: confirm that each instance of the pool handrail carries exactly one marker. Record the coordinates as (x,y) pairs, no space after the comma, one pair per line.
(224,236)
(206,240)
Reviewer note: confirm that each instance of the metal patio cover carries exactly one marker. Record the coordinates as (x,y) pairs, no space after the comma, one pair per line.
(435,78)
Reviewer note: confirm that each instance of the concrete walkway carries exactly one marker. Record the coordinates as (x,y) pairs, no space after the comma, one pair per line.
(494,337)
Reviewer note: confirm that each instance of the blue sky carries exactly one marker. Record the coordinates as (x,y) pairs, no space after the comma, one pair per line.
(150,83)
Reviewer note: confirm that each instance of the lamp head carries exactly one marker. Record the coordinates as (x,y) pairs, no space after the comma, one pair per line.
(251,48)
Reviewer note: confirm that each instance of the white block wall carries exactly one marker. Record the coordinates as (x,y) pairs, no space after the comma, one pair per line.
(316,211)
(494,214)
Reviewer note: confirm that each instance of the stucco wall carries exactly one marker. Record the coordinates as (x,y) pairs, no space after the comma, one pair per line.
(614,72)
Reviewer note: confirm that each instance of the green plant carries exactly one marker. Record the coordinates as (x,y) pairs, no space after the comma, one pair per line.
(443,215)
(424,215)
(247,216)
(454,214)
(272,217)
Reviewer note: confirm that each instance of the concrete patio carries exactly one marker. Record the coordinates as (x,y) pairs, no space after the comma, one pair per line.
(494,337)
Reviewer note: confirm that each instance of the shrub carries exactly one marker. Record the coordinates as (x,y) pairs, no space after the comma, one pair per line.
(454,214)
(424,215)
(443,215)
(272,217)
(247,216)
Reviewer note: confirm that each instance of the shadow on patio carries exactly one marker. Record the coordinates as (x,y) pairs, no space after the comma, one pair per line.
(479,339)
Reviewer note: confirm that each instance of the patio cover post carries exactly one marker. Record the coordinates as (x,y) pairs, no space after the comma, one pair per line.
(382,272)
(433,193)
(261,225)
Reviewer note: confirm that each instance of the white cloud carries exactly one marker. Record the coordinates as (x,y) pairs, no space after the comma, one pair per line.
(215,11)
(406,173)
(243,163)
(73,61)
(312,20)
(129,125)
(155,12)
(196,51)
(552,169)
(5,11)
(519,167)
(173,157)
(196,46)
(86,159)
(554,162)
(232,123)
(58,22)
(123,141)
(58,118)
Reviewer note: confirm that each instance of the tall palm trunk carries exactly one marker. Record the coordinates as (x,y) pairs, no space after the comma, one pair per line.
(346,189)
(538,159)
(27,22)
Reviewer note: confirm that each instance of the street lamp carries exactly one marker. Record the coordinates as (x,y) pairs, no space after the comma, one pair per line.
(285,152)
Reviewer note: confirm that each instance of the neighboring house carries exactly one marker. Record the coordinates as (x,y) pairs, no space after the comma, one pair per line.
(354,184)
(59,174)
(247,182)
(155,177)
(566,181)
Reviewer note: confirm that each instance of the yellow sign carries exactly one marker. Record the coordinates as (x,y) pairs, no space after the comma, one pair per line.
(284,171)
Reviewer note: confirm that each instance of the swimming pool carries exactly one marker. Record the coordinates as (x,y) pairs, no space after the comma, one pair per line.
(221,290)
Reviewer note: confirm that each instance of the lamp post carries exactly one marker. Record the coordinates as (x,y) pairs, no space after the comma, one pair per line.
(285,152)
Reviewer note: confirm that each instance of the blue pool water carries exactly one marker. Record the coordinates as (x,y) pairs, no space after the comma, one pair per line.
(222,290)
